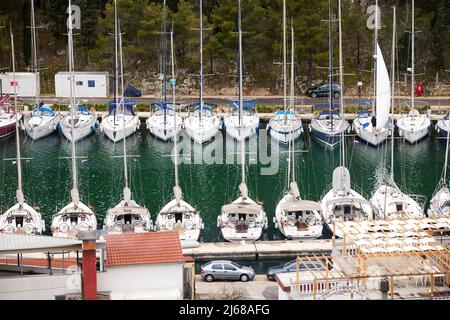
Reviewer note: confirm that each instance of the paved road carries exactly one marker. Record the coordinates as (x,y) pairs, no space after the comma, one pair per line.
(258,289)
(272,100)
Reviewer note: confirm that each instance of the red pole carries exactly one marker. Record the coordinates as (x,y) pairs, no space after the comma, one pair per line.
(89,270)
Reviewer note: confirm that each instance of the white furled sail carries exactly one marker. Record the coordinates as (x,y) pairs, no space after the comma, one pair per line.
(383,91)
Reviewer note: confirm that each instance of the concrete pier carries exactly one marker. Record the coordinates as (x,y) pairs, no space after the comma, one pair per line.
(259,249)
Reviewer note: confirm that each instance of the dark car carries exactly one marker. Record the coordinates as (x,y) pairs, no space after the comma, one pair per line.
(291,266)
(323,90)
(226,270)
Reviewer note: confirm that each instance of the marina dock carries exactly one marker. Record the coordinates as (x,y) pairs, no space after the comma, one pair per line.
(259,249)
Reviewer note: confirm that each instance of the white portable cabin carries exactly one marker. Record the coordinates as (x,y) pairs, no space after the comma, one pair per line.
(25,84)
(87,84)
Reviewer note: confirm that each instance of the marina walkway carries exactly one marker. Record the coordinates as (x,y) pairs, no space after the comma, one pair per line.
(260,249)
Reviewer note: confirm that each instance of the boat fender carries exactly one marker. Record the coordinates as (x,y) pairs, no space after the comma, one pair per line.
(101,127)
(400,133)
(309,128)
(274,220)
(349,129)
(276,225)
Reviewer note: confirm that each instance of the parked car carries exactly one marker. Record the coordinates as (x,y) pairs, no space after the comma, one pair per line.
(323,90)
(226,270)
(291,266)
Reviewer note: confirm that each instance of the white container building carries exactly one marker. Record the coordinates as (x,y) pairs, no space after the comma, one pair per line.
(26,84)
(87,84)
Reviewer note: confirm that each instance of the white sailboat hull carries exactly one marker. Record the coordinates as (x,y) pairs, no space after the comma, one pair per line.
(231,234)
(414,128)
(181,217)
(87,124)
(163,131)
(386,201)
(40,127)
(329,135)
(285,131)
(331,215)
(204,130)
(289,230)
(128,217)
(71,219)
(113,126)
(22,220)
(440,204)
(367,133)
(250,126)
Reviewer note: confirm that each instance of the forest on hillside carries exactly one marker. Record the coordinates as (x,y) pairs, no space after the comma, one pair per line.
(142,24)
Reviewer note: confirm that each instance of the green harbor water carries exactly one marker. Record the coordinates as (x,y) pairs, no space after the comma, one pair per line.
(208,186)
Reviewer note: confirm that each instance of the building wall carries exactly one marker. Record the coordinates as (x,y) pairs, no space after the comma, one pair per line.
(141,277)
(26,84)
(86,85)
(38,287)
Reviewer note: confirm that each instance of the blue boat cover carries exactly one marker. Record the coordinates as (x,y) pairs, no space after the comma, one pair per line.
(284,112)
(48,112)
(128,103)
(247,105)
(208,104)
(164,105)
(131,91)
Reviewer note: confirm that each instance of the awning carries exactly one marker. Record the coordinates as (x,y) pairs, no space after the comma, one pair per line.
(301,205)
(13,243)
(242,208)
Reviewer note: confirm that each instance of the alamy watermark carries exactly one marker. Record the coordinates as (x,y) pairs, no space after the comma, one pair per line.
(260,149)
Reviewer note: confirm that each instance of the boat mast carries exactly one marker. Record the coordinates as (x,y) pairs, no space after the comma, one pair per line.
(292,102)
(201,64)
(241,102)
(173,83)
(19,192)
(165,64)
(284,60)
(394,35)
(341,81)
(74,192)
(116,63)
(412,58)
(125,163)
(375,58)
(34,45)
(330,62)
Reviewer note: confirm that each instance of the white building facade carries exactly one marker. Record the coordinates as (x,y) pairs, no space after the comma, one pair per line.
(27,84)
(87,84)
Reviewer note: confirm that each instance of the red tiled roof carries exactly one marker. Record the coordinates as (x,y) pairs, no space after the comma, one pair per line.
(143,248)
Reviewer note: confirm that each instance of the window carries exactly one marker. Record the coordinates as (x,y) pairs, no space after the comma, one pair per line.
(79,83)
(217,267)
(91,83)
(229,267)
(11,84)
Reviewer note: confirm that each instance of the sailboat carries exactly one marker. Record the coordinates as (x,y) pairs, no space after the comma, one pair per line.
(75,216)
(20,218)
(329,125)
(44,120)
(178,214)
(388,201)
(112,124)
(8,117)
(243,219)
(414,126)
(440,202)
(374,127)
(127,215)
(286,125)
(242,121)
(294,217)
(342,203)
(203,124)
(164,123)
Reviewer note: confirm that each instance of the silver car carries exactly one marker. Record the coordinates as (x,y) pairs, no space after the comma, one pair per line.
(226,270)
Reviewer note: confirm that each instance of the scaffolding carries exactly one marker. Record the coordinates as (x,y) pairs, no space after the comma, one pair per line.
(391,256)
